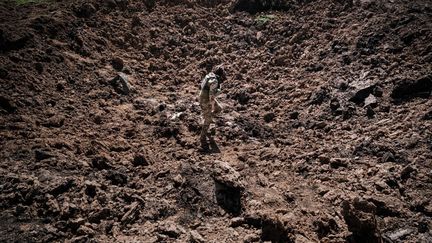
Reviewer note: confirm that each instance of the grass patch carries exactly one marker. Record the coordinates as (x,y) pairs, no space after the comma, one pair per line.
(21,2)
(263,19)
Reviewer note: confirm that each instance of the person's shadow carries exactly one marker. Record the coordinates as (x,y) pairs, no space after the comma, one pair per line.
(213,147)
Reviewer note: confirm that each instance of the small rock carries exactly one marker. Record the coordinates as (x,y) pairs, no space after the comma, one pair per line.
(370,112)
(334,104)
(294,115)
(117,178)
(406,172)
(117,63)
(228,187)
(171,230)
(41,155)
(178,180)
(269,117)
(140,160)
(86,10)
(7,105)
(360,219)
(237,221)
(338,162)
(121,84)
(84,230)
(370,101)
(360,90)
(400,234)
(131,215)
(91,188)
(101,163)
(251,238)
(39,67)
(195,237)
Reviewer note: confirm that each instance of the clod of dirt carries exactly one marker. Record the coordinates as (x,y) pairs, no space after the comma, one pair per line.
(256,6)
(195,237)
(269,117)
(121,84)
(371,101)
(101,162)
(85,10)
(140,160)
(275,230)
(13,40)
(409,89)
(228,187)
(131,215)
(117,178)
(360,90)
(427,116)
(7,105)
(360,219)
(41,155)
(117,63)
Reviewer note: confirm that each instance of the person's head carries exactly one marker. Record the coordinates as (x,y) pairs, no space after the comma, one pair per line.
(220,72)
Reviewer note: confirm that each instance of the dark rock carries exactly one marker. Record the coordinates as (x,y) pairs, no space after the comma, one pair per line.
(14,40)
(360,219)
(334,104)
(39,67)
(7,105)
(319,96)
(131,215)
(370,112)
(85,230)
(91,188)
(228,187)
(338,162)
(274,230)
(409,89)
(360,90)
(406,172)
(101,163)
(256,6)
(96,217)
(325,226)
(242,96)
(427,116)
(3,73)
(41,155)
(269,117)
(140,160)
(86,10)
(62,187)
(294,115)
(117,178)
(54,121)
(121,84)
(117,63)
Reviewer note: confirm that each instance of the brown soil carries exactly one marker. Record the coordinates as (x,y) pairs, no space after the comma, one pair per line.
(325,135)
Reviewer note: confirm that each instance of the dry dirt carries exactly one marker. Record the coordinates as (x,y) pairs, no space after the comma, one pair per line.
(325,135)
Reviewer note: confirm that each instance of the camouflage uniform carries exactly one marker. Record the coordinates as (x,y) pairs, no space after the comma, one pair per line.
(210,88)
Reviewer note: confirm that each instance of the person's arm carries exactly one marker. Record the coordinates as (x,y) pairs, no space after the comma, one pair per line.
(214,89)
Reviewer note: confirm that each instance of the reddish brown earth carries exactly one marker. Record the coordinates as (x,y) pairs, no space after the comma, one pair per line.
(325,136)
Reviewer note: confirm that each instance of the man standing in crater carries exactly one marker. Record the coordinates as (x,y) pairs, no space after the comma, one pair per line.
(210,88)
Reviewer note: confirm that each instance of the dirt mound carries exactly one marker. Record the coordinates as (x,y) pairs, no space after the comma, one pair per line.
(325,133)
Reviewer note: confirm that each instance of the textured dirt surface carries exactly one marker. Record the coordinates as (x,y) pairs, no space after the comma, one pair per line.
(325,135)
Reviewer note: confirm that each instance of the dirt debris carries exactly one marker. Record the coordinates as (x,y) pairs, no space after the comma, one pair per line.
(325,102)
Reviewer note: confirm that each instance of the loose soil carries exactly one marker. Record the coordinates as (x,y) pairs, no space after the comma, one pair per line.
(325,134)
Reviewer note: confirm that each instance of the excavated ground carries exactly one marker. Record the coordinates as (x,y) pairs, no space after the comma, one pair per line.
(325,135)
